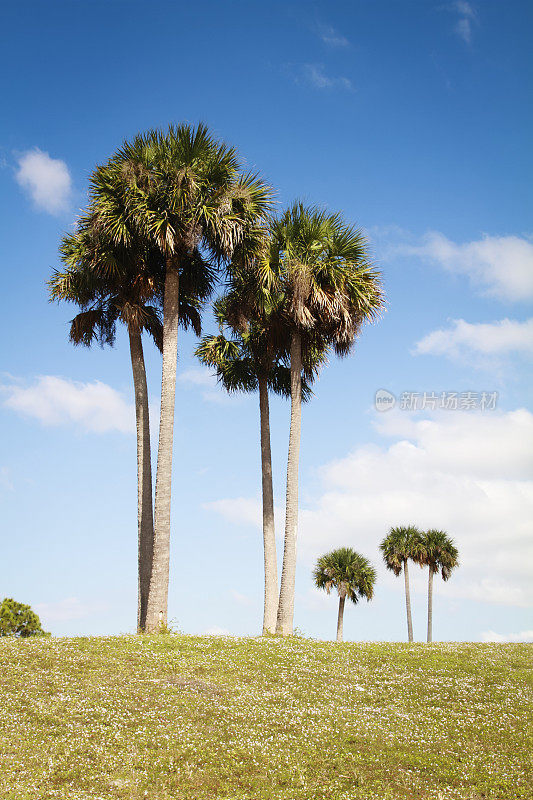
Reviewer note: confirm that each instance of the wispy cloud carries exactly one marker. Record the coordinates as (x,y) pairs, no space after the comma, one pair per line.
(523,636)
(67,609)
(216,631)
(46,180)
(502,266)
(332,37)
(315,75)
(466,15)
(94,407)
(238,509)
(204,380)
(463,340)
(241,599)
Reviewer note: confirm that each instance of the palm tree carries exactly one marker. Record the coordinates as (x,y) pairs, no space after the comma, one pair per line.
(330,289)
(104,300)
(401,545)
(438,553)
(111,283)
(186,194)
(349,573)
(249,361)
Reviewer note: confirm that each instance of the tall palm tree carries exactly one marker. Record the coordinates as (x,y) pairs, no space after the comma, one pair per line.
(185,192)
(401,545)
(439,553)
(113,283)
(350,573)
(330,289)
(249,361)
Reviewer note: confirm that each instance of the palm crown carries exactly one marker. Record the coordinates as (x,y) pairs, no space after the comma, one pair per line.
(347,571)
(403,543)
(439,553)
(109,283)
(183,189)
(327,280)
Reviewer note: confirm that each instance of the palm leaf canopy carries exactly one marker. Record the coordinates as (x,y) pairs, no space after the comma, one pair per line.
(401,544)
(183,190)
(113,281)
(350,573)
(439,552)
(255,348)
(238,370)
(321,266)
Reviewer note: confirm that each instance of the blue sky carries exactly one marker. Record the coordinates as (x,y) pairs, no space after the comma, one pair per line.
(414,120)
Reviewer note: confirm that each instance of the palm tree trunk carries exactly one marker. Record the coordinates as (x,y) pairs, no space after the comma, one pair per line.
(284,624)
(340,618)
(269,535)
(144,476)
(158,596)
(430,604)
(408,602)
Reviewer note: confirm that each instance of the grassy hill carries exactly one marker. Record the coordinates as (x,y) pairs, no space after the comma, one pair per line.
(198,718)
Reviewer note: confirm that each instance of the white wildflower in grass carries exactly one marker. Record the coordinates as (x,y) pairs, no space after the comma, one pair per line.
(228,718)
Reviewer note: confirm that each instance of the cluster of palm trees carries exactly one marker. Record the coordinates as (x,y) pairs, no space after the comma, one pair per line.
(352,575)
(170,214)
(432,548)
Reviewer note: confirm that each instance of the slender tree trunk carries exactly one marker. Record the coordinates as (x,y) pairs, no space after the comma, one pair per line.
(430,604)
(408,602)
(269,535)
(144,476)
(158,596)
(340,618)
(285,618)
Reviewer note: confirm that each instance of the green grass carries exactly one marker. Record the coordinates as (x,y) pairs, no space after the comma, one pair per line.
(199,718)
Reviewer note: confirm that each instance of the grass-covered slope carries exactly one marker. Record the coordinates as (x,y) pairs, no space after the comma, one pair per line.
(199,718)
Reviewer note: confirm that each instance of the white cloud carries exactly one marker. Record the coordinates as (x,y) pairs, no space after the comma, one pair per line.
(317,77)
(467,473)
(238,509)
(316,599)
(211,390)
(331,37)
(502,266)
(246,511)
(466,16)
(523,636)
(464,339)
(47,180)
(241,599)
(491,590)
(59,401)
(67,609)
(198,376)
(216,631)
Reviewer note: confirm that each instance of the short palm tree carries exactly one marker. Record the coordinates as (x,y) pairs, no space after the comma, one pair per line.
(350,574)
(330,289)
(249,361)
(439,553)
(184,192)
(401,545)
